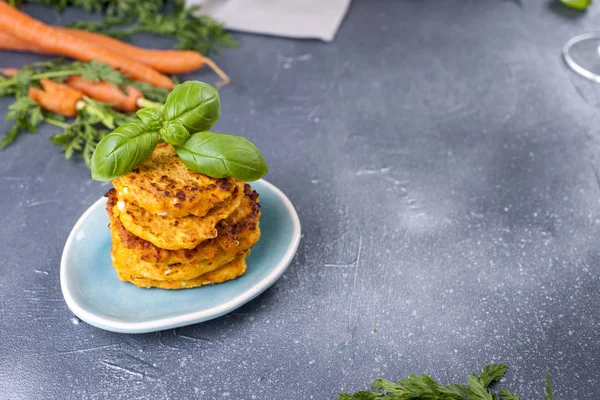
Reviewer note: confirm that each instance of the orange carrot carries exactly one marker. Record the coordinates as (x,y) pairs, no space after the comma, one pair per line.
(8,42)
(22,26)
(56,97)
(9,71)
(166,61)
(104,92)
(107,93)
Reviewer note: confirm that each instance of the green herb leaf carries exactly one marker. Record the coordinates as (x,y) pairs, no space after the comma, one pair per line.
(150,92)
(173,132)
(151,117)
(220,156)
(425,388)
(81,136)
(491,373)
(26,114)
(121,150)
(549,395)
(506,394)
(99,112)
(364,395)
(476,389)
(10,136)
(98,71)
(577,4)
(194,104)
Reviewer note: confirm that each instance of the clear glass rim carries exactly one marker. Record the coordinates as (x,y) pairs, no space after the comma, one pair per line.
(572,64)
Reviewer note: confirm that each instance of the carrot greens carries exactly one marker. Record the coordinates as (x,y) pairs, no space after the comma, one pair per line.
(80,135)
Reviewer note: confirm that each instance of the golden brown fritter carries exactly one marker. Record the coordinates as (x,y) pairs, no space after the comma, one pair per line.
(236,233)
(229,271)
(163,185)
(134,266)
(176,233)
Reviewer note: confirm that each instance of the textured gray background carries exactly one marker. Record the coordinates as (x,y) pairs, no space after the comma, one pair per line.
(444,163)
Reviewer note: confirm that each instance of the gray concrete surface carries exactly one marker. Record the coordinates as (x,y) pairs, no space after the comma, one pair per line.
(444,164)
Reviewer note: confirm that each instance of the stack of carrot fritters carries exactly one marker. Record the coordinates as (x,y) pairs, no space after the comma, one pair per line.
(173,228)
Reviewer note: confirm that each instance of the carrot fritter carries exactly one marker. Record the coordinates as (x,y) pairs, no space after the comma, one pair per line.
(236,233)
(176,233)
(227,272)
(134,266)
(163,185)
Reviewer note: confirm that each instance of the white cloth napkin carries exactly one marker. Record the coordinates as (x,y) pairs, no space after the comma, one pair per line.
(318,19)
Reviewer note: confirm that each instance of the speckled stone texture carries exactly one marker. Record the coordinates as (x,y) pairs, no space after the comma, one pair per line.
(445,166)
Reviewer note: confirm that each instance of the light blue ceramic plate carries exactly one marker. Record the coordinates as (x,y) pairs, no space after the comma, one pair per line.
(95,294)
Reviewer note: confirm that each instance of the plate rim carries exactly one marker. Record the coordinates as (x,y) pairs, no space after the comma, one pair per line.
(115,325)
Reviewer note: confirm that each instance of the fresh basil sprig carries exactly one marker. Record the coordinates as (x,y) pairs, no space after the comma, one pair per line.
(190,110)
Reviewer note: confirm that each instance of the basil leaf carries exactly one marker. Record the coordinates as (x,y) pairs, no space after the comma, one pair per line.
(219,156)
(121,150)
(151,117)
(174,133)
(195,104)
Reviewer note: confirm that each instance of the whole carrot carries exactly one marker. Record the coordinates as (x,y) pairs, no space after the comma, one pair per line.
(130,101)
(166,61)
(107,93)
(8,42)
(56,97)
(9,71)
(64,100)
(22,26)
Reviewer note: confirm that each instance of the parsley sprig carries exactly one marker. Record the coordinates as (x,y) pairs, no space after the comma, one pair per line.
(423,387)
